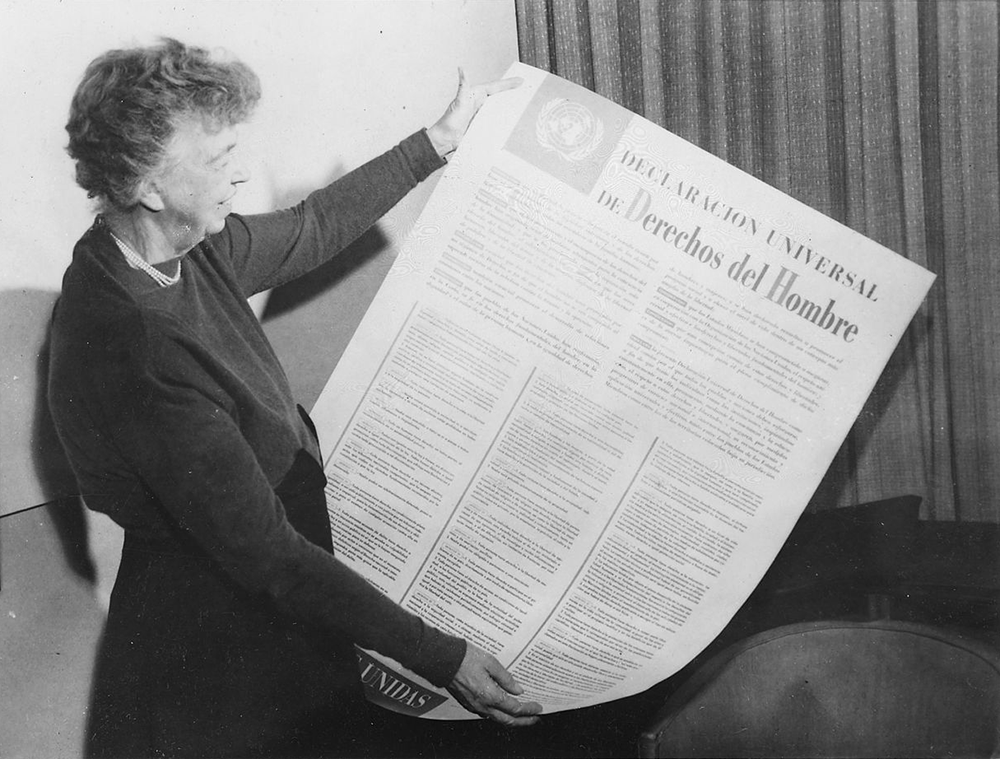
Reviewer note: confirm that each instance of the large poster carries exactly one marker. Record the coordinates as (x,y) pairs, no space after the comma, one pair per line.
(595,392)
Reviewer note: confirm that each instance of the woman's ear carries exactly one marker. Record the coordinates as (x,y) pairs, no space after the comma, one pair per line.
(150,198)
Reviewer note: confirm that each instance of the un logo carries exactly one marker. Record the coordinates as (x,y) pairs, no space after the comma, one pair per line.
(569,129)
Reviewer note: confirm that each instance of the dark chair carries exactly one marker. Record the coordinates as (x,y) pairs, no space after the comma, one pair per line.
(846,689)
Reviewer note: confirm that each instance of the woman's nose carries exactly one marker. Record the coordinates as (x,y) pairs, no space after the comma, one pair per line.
(241,173)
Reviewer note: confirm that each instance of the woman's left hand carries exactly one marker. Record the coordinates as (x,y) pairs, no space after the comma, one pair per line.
(448,130)
(484,687)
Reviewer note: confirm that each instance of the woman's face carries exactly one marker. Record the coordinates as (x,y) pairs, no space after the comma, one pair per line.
(197,182)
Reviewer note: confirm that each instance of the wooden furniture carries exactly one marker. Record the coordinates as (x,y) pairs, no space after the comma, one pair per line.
(869,603)
(864,689)
(878,560)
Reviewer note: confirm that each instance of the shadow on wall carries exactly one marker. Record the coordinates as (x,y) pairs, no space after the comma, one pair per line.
(35,470)
(299,292)
(310,321)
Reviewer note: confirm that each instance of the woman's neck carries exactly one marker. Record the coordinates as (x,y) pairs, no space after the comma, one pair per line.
(144,236)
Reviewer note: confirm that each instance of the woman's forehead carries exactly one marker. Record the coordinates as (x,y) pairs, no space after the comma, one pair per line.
(194,139)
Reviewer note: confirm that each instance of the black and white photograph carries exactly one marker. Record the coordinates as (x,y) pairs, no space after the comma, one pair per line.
(500,378)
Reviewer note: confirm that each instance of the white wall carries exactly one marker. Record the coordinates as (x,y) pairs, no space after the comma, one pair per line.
(342,81)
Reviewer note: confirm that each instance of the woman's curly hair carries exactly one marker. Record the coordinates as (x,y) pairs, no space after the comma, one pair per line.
(130,102)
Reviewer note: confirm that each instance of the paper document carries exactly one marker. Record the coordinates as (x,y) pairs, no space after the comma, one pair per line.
(593,396)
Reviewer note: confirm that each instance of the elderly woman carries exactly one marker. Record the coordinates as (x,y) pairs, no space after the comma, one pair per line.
(232,623)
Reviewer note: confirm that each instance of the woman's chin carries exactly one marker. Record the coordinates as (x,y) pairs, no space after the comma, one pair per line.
(218,225)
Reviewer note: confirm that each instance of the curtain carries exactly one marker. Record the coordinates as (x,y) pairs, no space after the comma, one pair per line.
(880,114)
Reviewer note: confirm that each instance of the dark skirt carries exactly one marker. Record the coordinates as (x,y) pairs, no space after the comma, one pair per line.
(192,665)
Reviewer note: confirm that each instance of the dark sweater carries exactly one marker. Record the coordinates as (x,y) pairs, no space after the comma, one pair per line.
(177,416)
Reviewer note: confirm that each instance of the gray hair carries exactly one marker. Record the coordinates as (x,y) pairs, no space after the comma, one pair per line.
(130,102)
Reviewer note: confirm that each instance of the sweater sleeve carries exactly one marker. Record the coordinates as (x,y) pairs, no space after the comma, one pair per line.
(273,248)
(176,429)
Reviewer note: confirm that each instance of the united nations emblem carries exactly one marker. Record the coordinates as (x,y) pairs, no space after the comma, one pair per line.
(569,129)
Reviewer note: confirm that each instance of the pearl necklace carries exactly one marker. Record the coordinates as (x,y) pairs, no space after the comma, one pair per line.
(138,262)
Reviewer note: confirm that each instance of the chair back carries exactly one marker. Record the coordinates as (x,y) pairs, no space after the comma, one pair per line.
(846,689)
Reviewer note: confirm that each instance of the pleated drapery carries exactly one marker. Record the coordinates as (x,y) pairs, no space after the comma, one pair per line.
(882,114)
